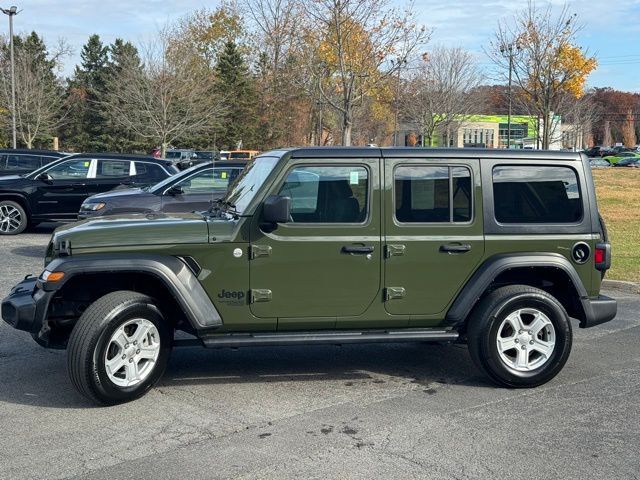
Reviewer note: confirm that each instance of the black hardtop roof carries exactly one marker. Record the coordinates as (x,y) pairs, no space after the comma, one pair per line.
(121,156)
(413,152)
(32,151)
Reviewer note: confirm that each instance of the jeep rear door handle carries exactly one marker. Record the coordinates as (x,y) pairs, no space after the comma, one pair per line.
(455,248)
(358,249)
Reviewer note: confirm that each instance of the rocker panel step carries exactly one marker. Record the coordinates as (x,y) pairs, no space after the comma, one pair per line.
(327,338)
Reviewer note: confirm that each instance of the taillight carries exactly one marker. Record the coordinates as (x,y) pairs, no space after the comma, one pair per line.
(602,256)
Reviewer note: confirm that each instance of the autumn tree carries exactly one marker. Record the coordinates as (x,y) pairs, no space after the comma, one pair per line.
(355,41)
(549,63)
(40,107)
(439,93)
(205,32)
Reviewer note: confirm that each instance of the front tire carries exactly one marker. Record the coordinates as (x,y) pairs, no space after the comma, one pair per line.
(119,348)
(519,336)
(13,218)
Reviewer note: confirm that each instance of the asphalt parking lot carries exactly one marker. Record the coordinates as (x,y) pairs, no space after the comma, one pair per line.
(379,411)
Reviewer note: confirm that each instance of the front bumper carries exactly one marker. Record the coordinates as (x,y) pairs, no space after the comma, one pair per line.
(26,306)
(598,310)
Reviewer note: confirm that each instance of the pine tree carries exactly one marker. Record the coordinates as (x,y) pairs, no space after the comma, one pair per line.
(86,130)
(122,56)
(235,84)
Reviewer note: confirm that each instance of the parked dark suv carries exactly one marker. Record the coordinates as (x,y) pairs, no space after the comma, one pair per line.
(15,162)
(56,191)
(501,250)
(191,190)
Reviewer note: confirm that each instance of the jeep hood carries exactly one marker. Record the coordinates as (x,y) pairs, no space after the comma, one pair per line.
(135,230)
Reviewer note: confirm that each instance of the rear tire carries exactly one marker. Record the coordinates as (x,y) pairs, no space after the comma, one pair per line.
(519,336)
(119,348)
(13,218)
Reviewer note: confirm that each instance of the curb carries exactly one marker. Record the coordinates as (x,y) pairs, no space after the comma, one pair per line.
(621,286)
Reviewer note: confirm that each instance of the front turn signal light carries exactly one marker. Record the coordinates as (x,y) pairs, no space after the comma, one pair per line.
(48,276)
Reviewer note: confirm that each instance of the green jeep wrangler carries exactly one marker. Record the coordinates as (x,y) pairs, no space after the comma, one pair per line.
(494,248)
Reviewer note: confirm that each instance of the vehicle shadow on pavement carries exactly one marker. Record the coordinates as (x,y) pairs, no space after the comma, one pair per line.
(410,363)
(32,251)
(43,381)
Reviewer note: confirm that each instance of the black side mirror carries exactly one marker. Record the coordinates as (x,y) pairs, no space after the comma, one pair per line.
(44,177)
(276,209)
(175,190)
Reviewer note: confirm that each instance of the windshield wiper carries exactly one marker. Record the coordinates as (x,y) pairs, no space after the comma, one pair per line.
(223,206)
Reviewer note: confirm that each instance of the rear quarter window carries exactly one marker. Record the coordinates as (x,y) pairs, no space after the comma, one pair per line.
(536,194)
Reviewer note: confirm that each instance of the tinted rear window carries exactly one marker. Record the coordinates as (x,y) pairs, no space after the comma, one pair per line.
(536,194)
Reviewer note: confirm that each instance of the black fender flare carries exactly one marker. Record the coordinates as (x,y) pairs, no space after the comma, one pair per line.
(171,271)
(497,264)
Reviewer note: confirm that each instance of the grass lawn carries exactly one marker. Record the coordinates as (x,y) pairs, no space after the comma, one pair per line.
(618,191)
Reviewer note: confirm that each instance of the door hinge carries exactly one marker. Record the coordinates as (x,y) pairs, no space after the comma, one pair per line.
(260,295)
(393,293)
(260,251)
(394,250)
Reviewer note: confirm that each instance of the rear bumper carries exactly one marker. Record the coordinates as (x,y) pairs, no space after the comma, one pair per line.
(26,306)
(598,310)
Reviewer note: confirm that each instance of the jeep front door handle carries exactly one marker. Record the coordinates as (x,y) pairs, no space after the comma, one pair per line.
(455,248)
(358,249)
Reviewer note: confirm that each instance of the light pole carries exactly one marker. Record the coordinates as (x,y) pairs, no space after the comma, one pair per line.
(398,65)
(509,51)
(12,11)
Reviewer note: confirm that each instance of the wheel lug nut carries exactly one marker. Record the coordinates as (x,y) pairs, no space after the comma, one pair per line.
(523,348)
(126,345)
(517,341)
(529,332)
(131,359)
(124,356)
(521,332)
(531,342)
(138,351)
(135,342)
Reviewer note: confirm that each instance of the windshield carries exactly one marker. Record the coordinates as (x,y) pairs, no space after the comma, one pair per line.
(249,181)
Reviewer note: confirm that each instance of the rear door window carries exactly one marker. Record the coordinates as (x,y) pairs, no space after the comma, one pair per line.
(113,168)
(536,194)
(23,162)
(432,194)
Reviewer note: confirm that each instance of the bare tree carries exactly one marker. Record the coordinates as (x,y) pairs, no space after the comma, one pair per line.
(165,98)
(579,116)
(548,64)
(629,129)
(276,36)
(40,105)
(355,42)
(438,94)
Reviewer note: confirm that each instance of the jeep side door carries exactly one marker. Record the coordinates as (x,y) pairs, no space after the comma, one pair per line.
(325,262)
(434,236)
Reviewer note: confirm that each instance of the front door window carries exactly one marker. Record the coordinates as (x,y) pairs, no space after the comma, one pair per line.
(70,170)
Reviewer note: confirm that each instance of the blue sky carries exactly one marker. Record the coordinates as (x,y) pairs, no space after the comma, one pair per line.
(611,27)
